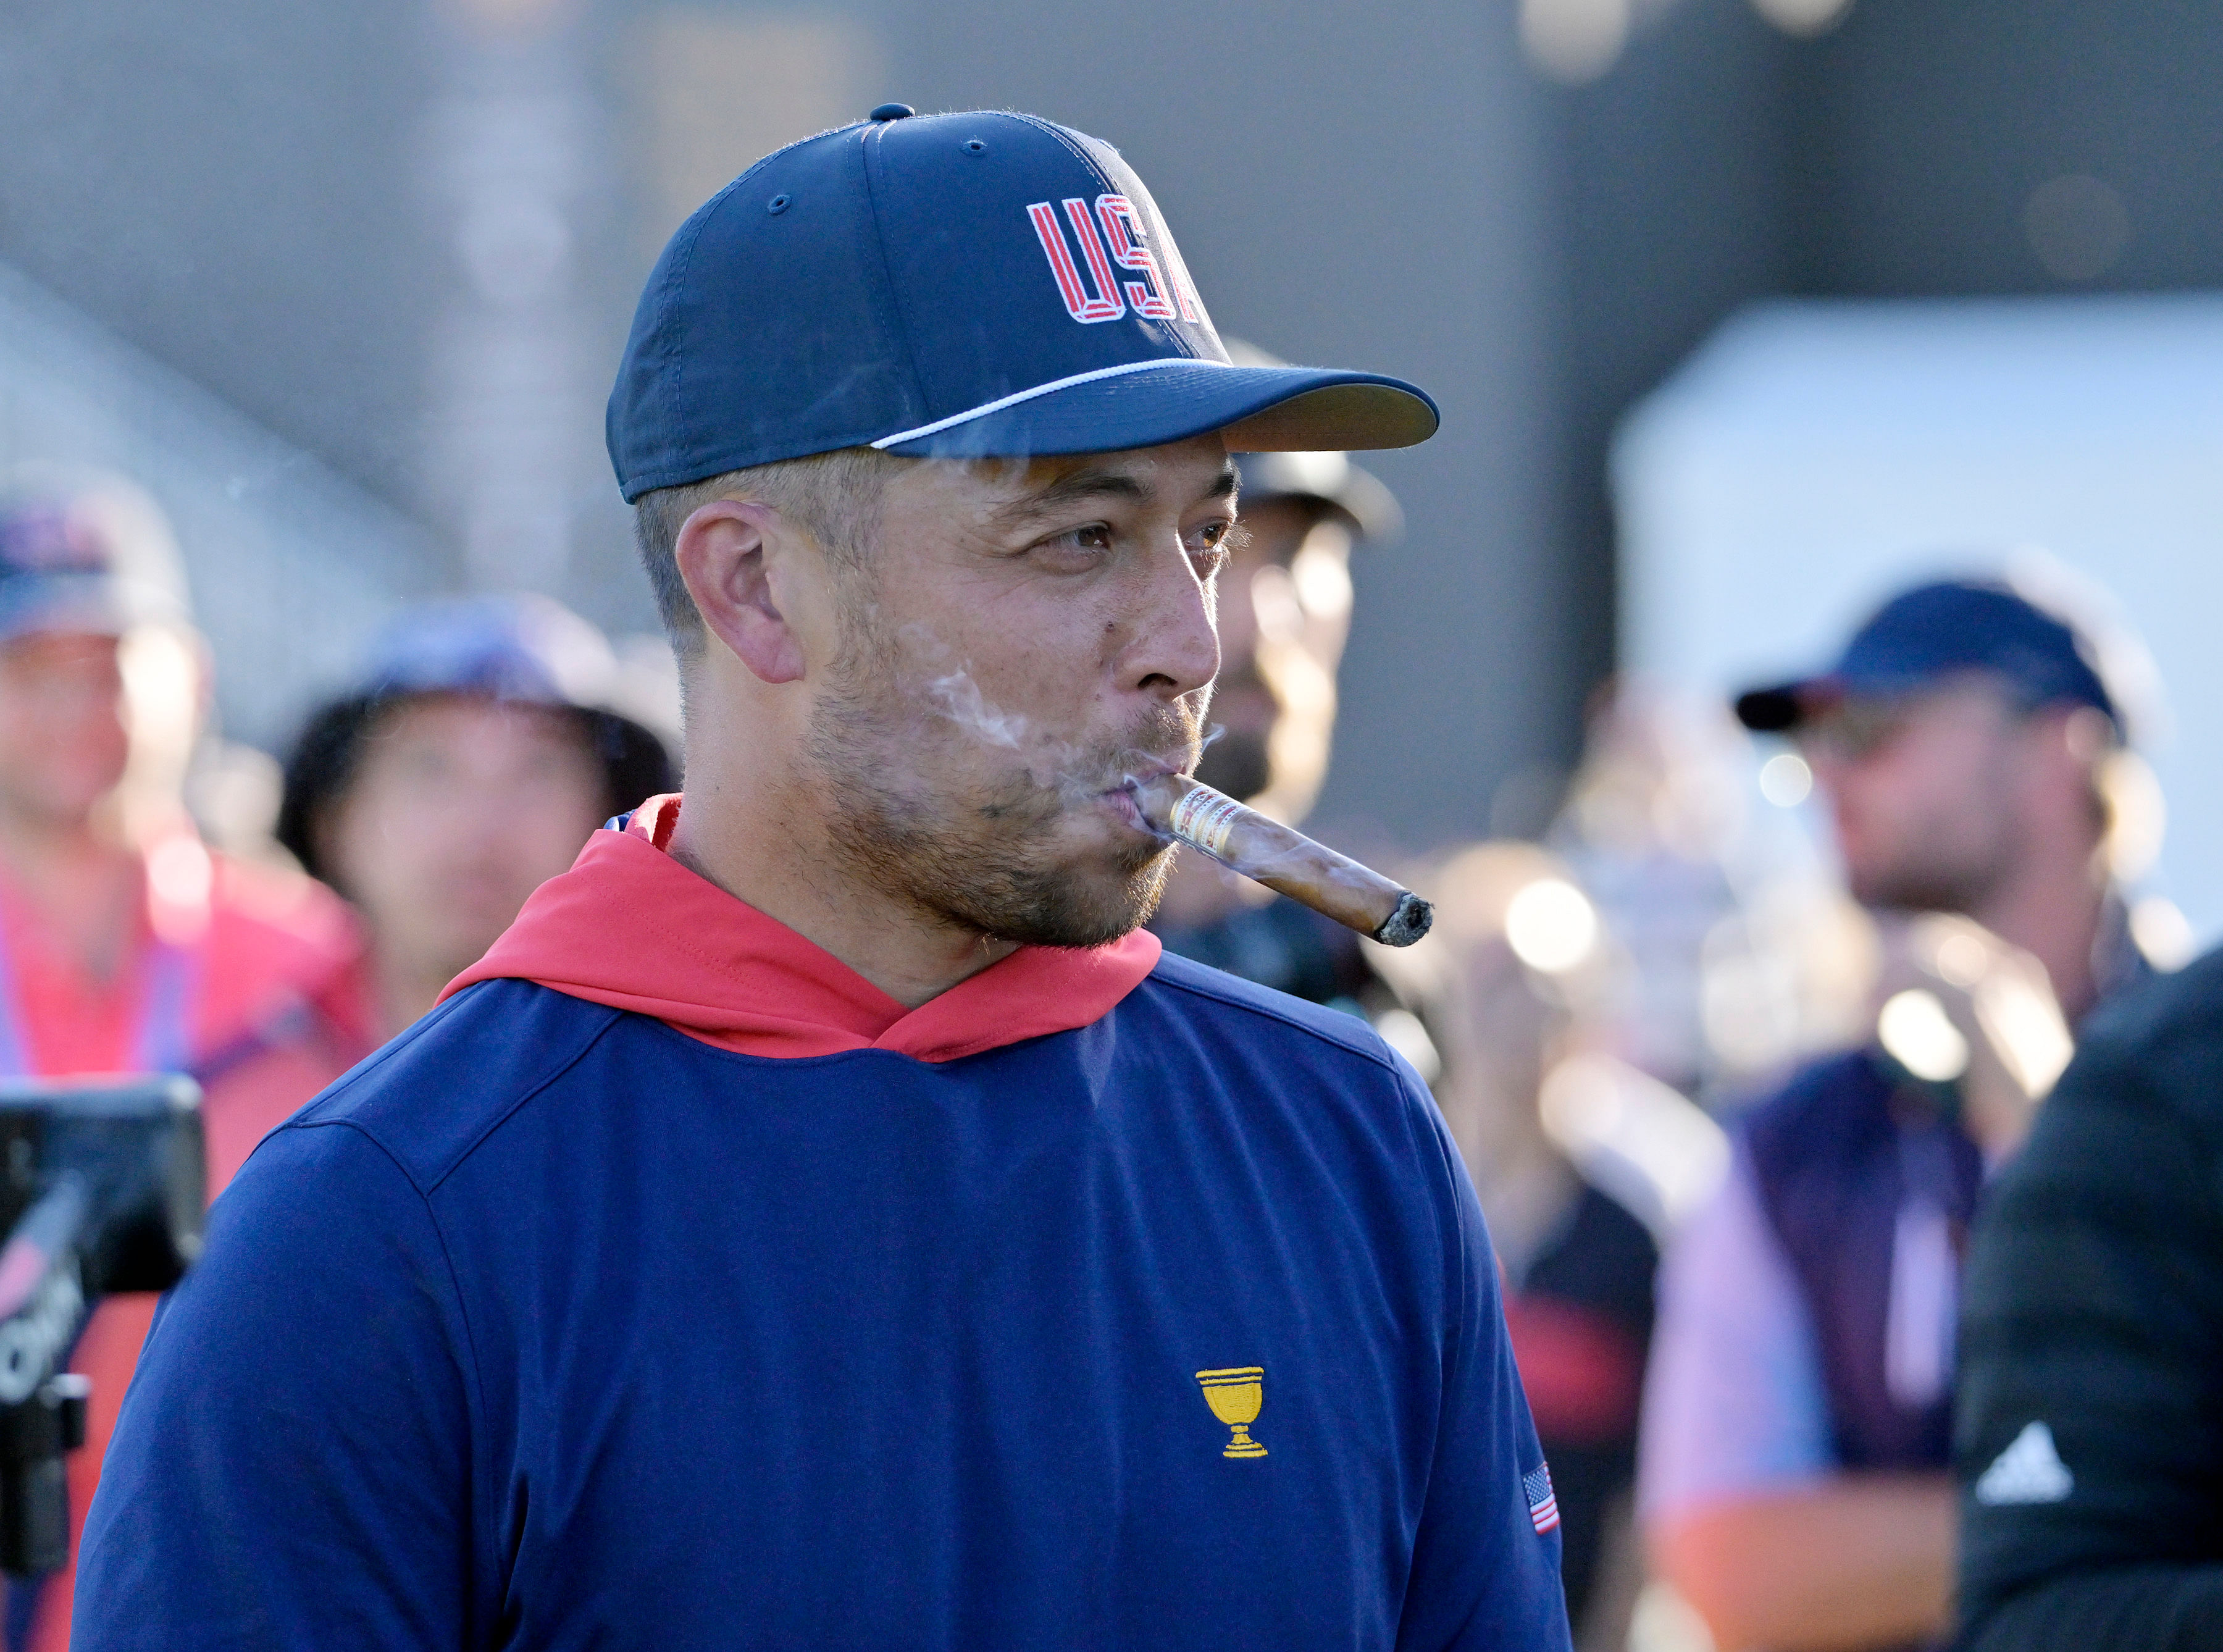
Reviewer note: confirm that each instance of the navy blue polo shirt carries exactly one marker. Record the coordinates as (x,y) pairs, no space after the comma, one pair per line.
(551,1326)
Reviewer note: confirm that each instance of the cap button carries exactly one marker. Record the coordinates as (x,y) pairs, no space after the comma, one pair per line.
(891,112)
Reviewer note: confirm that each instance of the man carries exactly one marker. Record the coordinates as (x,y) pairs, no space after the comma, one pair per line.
(1798,1422)
(2089,1432)
(824,1219)
(125,944)
(483,747)
(1284,616)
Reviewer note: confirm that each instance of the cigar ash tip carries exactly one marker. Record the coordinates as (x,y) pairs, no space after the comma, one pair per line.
(1408,924)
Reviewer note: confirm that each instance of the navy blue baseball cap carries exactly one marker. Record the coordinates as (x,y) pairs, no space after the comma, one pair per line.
(953,286)
(1936,631)
(522,647)
(91,555)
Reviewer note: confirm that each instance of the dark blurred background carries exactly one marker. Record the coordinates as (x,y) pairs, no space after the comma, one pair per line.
(370,266)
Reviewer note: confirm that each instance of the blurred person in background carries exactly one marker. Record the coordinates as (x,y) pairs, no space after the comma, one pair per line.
(1649,827)
(1284,616)
(1510,969)
(126,944)
(1799,1411)
(2089,1434)
(1736,950)
(489,738)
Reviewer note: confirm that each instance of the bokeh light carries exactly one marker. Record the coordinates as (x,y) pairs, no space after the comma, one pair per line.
(1552,926)
(1920,1037)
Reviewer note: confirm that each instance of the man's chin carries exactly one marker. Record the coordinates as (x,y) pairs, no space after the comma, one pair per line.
(1090,903)
(1902,892)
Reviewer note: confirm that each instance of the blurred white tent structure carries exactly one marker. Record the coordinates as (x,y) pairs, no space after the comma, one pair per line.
(290,565)
(1812,457)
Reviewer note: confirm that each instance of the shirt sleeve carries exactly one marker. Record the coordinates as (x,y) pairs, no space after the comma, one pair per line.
(292,1467)
(1485,1568)
(2089,1423)
(1734,1401)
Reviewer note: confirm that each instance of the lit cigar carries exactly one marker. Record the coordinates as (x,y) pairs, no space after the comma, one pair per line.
(1284,860)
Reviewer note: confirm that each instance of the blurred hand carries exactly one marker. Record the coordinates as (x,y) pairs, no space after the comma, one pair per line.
(1955,1003)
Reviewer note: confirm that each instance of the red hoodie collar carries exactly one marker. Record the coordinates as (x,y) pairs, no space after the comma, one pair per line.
(630,927)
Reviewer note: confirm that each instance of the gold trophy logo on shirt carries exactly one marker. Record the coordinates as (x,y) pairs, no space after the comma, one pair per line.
(1235,1396)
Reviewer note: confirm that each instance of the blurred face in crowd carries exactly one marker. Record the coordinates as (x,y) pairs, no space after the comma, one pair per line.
(1284,617)
(459,808)
(64,738)
(1936,794)
(977,686)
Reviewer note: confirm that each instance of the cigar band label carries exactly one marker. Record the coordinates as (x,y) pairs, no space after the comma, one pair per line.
(1204,818)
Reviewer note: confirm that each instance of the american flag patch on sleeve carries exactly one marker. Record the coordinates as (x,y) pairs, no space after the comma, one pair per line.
(1543,1504)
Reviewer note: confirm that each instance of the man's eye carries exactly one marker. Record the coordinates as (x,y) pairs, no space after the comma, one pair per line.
(1210,546)
(1079,543)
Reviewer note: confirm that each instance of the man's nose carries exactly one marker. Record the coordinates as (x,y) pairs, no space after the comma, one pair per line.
(1173,647)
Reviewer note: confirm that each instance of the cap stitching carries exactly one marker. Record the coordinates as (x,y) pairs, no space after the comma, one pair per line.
(900,323)
(697,222)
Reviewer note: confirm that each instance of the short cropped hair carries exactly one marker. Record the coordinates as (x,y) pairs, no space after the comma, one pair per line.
(834,497)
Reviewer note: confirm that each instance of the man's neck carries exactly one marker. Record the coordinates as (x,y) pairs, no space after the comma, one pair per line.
(82,874)
(757,854)
(2054,914)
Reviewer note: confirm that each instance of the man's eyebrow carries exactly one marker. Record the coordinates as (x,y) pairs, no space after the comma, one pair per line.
(1079,485)
(1072,489)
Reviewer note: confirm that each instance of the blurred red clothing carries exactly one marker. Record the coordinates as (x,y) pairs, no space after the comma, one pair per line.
(250,979)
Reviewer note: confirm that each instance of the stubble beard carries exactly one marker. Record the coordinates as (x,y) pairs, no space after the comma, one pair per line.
(985,858)
(1917,886)
(1938,869)
(1955,860)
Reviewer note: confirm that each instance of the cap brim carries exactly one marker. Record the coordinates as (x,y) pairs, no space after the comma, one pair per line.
(1776,710)
(1259,409)
(71,606)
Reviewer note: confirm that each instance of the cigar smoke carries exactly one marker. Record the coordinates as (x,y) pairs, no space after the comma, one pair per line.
(1282,858)
(940,683)
(1177,807)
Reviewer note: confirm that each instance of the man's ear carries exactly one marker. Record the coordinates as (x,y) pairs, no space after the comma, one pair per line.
(727,555)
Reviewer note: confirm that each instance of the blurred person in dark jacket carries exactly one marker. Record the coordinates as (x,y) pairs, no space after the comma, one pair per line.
(2088,1434)
(489,738)
(127,944)
(1794,1485)
(1284,616)
(1512,958)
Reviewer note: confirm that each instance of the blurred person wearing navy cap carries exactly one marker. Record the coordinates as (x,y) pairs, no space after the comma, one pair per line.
(489,736)
(1798,1416)
(1960,742)
(127,944)
(826,1218)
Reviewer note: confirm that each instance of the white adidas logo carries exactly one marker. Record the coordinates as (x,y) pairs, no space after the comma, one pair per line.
(2029,1471)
